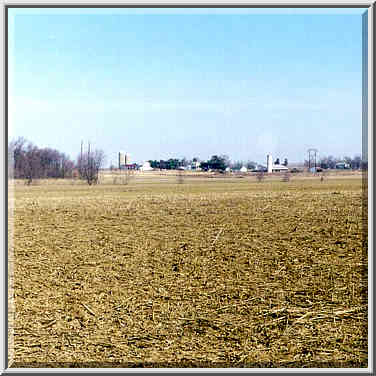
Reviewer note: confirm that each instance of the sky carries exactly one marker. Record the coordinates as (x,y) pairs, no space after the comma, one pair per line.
(168,83)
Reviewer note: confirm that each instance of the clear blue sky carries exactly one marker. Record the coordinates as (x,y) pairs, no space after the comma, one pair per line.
(168,83)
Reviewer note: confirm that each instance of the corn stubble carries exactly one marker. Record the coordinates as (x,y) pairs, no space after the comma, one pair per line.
(232,273)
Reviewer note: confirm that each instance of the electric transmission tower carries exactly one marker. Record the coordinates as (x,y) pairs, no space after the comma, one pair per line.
(312,158)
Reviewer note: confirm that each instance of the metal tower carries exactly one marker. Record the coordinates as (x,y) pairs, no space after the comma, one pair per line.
(312,158)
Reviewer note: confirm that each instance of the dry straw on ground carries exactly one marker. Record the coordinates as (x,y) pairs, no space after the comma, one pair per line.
(209,273)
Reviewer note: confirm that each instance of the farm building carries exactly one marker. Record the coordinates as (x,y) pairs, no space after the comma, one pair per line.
(342,166)
(146,167)
(195,166)
(243,169)
(315,169)
(271,167)
(131,166)
(124,160)
(260,168)
(279,168)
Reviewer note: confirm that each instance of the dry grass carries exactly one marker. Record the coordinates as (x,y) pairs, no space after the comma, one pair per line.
(208,273)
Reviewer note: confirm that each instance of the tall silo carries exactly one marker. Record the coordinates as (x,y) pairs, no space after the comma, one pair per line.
(121,159)
(127,159)
(269,163)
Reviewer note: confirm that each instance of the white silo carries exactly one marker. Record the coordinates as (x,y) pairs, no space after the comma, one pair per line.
(127,159)
(121,159)
(269,163)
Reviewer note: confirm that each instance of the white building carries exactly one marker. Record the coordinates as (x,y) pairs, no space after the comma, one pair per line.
(279,168)
(196,166)
(269,163)
(342,166)
(243,169)
(146,167)
(274,167)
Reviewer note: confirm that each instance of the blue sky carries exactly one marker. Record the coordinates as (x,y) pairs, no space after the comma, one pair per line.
(173,83)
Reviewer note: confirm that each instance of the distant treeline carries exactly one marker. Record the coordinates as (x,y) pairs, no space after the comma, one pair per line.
(27,161)
(170,164)
(221,162)
(215,163)
(330,162)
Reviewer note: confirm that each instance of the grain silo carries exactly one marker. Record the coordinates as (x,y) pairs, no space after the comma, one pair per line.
(269,163)
(127,159)
(121,159)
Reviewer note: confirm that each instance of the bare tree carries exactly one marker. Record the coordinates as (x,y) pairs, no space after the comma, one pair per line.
(89,164)
(16,152)
(67,166)
(32,167)
(27,161)
(356,162)
(80,161)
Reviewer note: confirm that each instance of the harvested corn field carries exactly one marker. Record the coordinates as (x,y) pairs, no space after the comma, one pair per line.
(208,273)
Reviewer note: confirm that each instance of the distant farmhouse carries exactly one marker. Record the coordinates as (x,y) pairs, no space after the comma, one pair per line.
(146,167)
(342,166)
(196,166)
(271,167)
(125,162)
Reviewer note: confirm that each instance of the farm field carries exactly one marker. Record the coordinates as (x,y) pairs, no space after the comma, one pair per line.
(202,272)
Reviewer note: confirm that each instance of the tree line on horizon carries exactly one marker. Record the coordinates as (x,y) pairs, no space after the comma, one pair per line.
(27,161)
(330,162)
(221,162)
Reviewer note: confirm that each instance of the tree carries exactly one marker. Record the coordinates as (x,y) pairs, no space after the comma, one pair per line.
(205,166)
(80,160)
(237,165)
(90,163)
(348,160)
(356,162)
(277,161)
(27,161)
(32,164)
(285,162)
(226,160)
(332,161)
(328,162)
(218,163)
(16,155)
(250,165)
(163,164)
(173,164)
(154,164)
(184,162)
(67,166)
